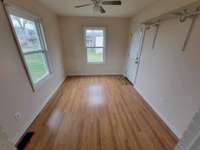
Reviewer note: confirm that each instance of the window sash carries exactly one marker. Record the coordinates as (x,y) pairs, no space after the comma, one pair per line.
(87,47)
(35,52)
(10,10)
(45,61)
(95,62)
(19,12)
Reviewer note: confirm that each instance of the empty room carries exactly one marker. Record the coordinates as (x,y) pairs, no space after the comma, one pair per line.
(99,75)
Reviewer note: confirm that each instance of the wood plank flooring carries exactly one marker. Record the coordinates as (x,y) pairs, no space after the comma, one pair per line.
(99,113)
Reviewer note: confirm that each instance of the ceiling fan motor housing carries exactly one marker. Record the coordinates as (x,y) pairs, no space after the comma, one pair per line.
(98,5)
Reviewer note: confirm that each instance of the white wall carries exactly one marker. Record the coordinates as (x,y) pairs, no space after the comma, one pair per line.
(168,78)
(75,53)
(16,94)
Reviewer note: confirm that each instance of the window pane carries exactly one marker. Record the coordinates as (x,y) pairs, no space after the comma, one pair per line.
(94,38)
(37,66)
(27,34)
(95,55)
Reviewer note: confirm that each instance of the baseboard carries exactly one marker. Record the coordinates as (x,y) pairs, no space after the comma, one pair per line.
(100,74)
(21,133)
(129,81)
(160,118)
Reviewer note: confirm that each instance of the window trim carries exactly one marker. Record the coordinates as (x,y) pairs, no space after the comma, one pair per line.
(104,43)
(20,12)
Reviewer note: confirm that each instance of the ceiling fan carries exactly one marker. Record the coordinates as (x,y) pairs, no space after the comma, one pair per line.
(98,5)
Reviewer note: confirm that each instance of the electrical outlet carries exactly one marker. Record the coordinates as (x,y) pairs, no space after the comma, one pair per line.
(17,116)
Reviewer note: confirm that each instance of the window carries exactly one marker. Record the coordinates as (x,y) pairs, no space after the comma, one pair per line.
(95,44)
(30,38)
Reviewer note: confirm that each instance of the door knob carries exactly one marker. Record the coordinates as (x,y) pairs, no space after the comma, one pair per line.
(136,62)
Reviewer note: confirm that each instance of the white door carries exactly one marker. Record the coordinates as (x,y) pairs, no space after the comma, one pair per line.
(134,54)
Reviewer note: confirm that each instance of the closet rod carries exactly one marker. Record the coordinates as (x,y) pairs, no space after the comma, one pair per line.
(193,13)
(183,14)
(173,15)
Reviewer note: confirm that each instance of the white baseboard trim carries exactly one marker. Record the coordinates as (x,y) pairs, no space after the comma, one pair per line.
(28,123)
(95,74)
(165,120)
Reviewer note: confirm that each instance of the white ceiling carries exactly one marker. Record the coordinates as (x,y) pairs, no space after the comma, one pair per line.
(66,8)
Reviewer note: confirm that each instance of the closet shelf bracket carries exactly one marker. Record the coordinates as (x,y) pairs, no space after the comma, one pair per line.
(189,33)
(157,26)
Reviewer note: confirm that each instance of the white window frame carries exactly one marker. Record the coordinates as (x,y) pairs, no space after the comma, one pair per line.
(20,12)
(104,43)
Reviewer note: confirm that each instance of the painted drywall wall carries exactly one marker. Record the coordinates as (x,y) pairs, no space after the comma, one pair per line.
(16,94)
(74,49)
(168,78)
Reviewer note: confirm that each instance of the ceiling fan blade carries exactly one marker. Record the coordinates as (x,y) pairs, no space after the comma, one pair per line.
(111,2)
(102,10)
(84,5)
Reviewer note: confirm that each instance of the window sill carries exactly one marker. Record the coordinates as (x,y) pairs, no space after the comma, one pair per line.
(95,63)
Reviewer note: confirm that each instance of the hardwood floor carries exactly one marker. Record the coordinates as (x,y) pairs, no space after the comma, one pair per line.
(99,113)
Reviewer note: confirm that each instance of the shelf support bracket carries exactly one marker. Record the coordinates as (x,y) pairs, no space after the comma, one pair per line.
(189,33)
(157,26)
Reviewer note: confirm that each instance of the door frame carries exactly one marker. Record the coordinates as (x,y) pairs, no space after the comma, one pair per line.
(142,28)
